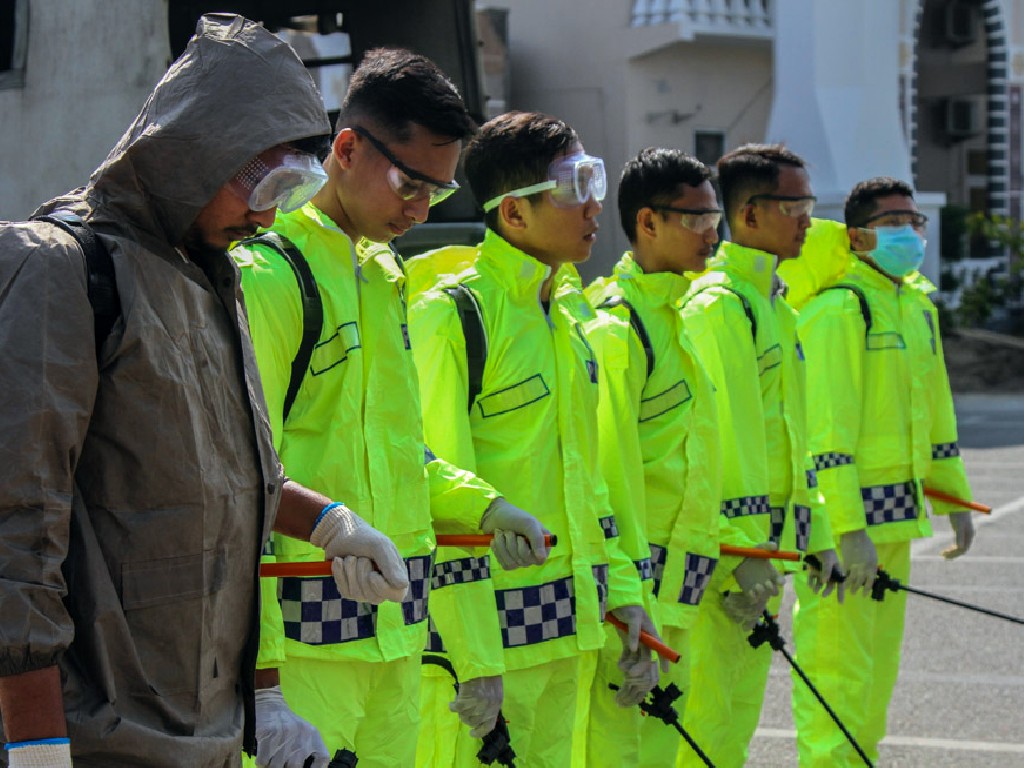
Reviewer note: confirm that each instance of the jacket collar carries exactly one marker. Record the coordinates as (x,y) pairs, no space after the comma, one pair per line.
(518,272)
(658,287)
(754,266)
(878,281)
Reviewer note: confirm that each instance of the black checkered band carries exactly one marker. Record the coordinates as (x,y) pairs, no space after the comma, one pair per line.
(778,524)
(745,505)
(434,642)
(534,614)
(601,580)
(611,530)
(658,557)
(945,450)
(802,517)
(831,459)
(697,574)
(461,571)
(812,478)
(315,613)
(644,568)
(889,503)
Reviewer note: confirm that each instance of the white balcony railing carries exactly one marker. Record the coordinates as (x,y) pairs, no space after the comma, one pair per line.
(716,17)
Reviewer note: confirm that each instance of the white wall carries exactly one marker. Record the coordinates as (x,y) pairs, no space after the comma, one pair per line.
(90,66)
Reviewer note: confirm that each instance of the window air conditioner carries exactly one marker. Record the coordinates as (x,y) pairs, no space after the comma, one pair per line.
(961,117)
(961,23)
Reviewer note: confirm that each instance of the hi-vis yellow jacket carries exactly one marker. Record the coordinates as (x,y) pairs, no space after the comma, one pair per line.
(355,433)
(823,260)
(532,433)
(658,438)
(882,420)
(745,334)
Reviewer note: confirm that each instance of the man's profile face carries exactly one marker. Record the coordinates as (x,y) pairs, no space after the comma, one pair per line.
(781,234)
(679,248)
(373,207)
(227,218)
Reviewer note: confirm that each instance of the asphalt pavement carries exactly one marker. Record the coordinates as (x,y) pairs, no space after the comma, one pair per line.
(960,696)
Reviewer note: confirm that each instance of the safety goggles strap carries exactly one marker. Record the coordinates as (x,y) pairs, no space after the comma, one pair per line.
(494,202)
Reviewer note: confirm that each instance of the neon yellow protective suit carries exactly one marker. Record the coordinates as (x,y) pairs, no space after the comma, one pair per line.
(745,335)
(531,432)
(355,433)
(882,423)
(823,259)
(658,438)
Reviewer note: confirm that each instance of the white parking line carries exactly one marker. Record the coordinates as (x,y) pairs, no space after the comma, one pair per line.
(915,741)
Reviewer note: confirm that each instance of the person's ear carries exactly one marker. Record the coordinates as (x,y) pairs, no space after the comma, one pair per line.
(861,240)
(342,147)
(514,212)
(749,216)
(645,222)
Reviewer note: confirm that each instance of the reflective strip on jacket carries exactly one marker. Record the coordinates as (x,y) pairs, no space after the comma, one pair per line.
(768,482)
(137,492)
(532,434)
(658,439)
(883,417)
(355,434)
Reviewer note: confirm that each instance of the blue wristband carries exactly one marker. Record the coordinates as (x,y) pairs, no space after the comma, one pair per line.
(35,742)
(325,510)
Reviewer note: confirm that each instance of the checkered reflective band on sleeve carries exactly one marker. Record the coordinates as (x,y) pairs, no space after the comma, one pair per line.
(697,574)
(812,478)
(889,503)
(611,530)
(945,450)
(658,557)
(831,459)
(414,607)
(461,571)
(778,524)
(316,614)
(802,517)
(434,642)
(537,613)
(601,580)
(745,505)
(644,568)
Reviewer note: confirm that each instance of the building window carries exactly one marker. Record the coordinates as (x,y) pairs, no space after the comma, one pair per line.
(13,43)
(708,146)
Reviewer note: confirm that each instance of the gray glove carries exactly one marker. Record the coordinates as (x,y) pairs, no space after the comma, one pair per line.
(342,532)
(821,580)
(744,609)
(860,560)
(39,756)
(963,534)
(758,578)
(637,663)
(477,704)
(283,739)
(518,535)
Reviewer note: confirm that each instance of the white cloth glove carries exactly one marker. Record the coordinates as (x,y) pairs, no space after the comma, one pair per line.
(820,580)
(518,535)
(637,663)
(283,739)
(758,578)
(357,580)
(963,534)
(39,756)
(744,609)
(342,532)
(860,560)
(477,704)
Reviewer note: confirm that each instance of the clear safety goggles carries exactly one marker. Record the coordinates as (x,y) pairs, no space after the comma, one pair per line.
(280,177)
(789,205)
(406,182)
(572,181)
(698,220)
(900,218)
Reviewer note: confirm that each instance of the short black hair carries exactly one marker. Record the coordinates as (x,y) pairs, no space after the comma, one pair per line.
(653,178)
(752,169)
(514,150)
(393,88)
(860,203)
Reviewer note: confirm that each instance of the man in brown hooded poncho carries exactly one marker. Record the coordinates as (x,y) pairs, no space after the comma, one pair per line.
(138,478)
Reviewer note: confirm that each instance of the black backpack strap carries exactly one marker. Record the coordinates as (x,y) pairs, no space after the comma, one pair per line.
(312,309)
(747,309)
(101,281)
(638,327)
(474,334)
(862,299)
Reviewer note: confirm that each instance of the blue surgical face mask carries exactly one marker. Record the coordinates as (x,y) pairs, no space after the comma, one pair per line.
(898,251)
